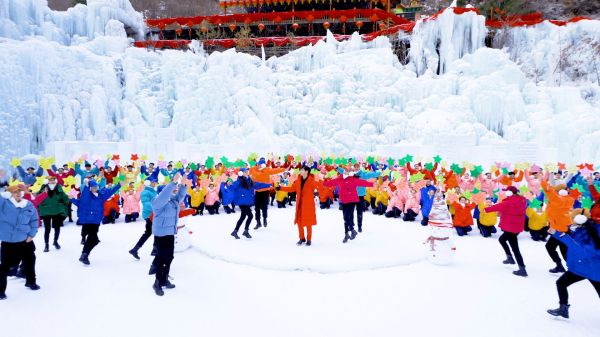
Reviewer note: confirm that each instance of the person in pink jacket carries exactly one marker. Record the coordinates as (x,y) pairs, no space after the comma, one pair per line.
(488,184)
(534,180)
(466,182)
(412,206)
(512,222)
(347,183)
(131,203)
(211,200)
(394,209)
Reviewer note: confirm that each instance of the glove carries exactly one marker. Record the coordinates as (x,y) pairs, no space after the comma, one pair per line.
(240,173)
(45,181)
(277,188)
(85,181)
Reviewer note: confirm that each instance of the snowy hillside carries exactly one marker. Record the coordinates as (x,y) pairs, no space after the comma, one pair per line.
(72,77)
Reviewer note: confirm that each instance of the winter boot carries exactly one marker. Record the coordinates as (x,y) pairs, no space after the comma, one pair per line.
(247,235)
(299,243)
(258,224)
(265,222)
(169,285)
(346,238)
(520,272)
(562,311)
(32,286)
(46,249)
(509,260)
(558,269)
(153,269)
(56,245)
(157,288)
(134,252)
(360,229)
(2,296)
(308,243)
(154,251)
(235,235)
(353,234)
(84,258)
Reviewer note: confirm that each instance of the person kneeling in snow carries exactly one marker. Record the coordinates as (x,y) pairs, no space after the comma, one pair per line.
(487,220)
(463,220)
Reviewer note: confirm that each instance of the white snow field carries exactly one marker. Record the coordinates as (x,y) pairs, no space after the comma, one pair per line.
(380,284)
(73,77)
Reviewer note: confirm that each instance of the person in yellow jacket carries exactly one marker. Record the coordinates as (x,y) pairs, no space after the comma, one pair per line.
(381,200)
(197,195)
(281,196)
(131,173)
(538,223)
(487,220)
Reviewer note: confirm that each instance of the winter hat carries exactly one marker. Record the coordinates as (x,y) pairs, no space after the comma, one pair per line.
(262,161)
(147,183)
(512,189)
(563,193)
(580,219)
(244,169)
(93,183)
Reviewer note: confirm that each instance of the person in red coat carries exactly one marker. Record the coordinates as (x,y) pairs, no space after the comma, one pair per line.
(429,174)
(306,215)
(463,220)
(512,222)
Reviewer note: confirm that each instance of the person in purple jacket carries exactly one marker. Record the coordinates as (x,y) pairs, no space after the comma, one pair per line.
(347,184)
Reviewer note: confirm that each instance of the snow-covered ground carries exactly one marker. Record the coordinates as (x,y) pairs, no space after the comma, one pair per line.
(268,286)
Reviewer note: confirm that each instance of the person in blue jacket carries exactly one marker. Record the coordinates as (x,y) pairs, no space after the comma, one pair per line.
(164,227)
(146,197)
(87,172)
(91,212)
(18,227)
(29,177)
(362,191)
(244,197)
(169,171)
(149,171)
(427,196)
(228,196)
(583,260)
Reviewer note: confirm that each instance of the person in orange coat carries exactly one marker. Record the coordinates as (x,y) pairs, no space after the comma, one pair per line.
(325,195)
(111,209)
(558,209)
(450,179)
(463,220)
(306,215)
(511,179)
(262,174)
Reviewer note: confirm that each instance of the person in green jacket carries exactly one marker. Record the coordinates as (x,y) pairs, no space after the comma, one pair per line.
(53,211)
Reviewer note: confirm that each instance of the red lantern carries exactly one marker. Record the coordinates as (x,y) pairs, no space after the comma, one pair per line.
(261,27)
(343,19)
(326,25)
(381,26)
(310,18)
(232,26)
(179,31)
(374,18)
(295,26)
(359,24)
(277,19)
(247,21)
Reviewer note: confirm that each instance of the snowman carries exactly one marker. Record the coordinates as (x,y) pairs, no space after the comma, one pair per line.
(440,245)
(183,239)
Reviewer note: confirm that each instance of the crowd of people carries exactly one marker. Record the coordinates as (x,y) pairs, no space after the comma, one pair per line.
(556,204)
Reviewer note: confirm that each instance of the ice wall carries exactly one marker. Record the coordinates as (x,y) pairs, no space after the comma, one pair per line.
(20,19)
(335,97)
(555,54)
(436,42)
